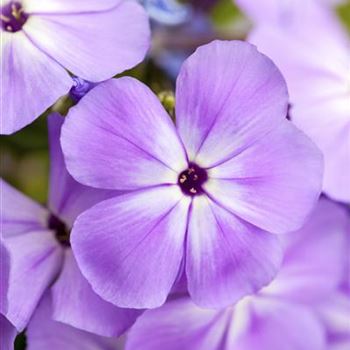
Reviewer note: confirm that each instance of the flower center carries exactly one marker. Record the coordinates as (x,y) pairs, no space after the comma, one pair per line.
(13,17)
(62,233)
(192,179)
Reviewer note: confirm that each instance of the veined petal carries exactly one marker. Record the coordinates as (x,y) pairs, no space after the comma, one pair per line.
(282,326)
(179,324)
(44,333)
(4,277)
(75,303)
(226,258)
(130,247)
(273,184)
(67,197)
(35,262)
(20,214)
(93,45)
(315,256)
(30,82)
(228,95)
(120,137)
(8,333)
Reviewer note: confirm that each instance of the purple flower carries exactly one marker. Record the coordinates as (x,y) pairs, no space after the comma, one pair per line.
(37,240)
(312,49)
(282,316)
(44,333)
(42,39)
(202,195)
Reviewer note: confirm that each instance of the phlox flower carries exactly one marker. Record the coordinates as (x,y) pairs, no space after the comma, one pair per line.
(207,197)
(41,260)
(41,40)
(309,45)
(299,310)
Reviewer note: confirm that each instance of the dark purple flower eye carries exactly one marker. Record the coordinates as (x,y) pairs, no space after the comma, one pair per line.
(192,179)
(13,17)
(61,230)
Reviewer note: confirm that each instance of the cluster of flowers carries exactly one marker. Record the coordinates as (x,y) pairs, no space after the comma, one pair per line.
(207,235)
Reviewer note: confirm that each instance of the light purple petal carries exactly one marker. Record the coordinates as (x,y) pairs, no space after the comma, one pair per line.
(20,213)
(67,197)
(228,95)
(75,303)
(177,325)
(44,333)
(4,276)
(273,184)
(120,137)
(130,247)
(7,334)
(315,257)
(31,82)
(316,72)
(35,262)
(68,6)
(226,257)
(93,45)
(282,326)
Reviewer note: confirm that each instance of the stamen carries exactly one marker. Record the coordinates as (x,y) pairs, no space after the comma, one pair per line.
(192,179)
(12,17)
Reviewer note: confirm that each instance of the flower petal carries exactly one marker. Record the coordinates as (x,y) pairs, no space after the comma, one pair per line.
(280,325)
(272,184)
(20,214)
(93,45)
(134,142)
(226,257)
(130,247)
(31,82)
(306,277)
(67,6)
(228,95)
(35,262)
(8,334)
(76,304)
(44,333)
(4,277)
(67,197)
(178,324)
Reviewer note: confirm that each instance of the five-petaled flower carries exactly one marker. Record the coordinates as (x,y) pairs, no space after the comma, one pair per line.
(205,198)
(42,39)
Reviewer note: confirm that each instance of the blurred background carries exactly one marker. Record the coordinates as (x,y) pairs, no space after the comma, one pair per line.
(178,28)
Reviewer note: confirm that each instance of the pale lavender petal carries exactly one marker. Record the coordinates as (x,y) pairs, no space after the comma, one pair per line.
(44,333)
(316,72)
(4,277)
(7,334)
(315,257)
(120,137)
(93,45)
(68,6)
(228,95)
(35,262)
(274,184)
(67,197)
(31,82)
(75,303)
(20,214)
(279,325)
(130,247)
(179,324)
(226,258)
